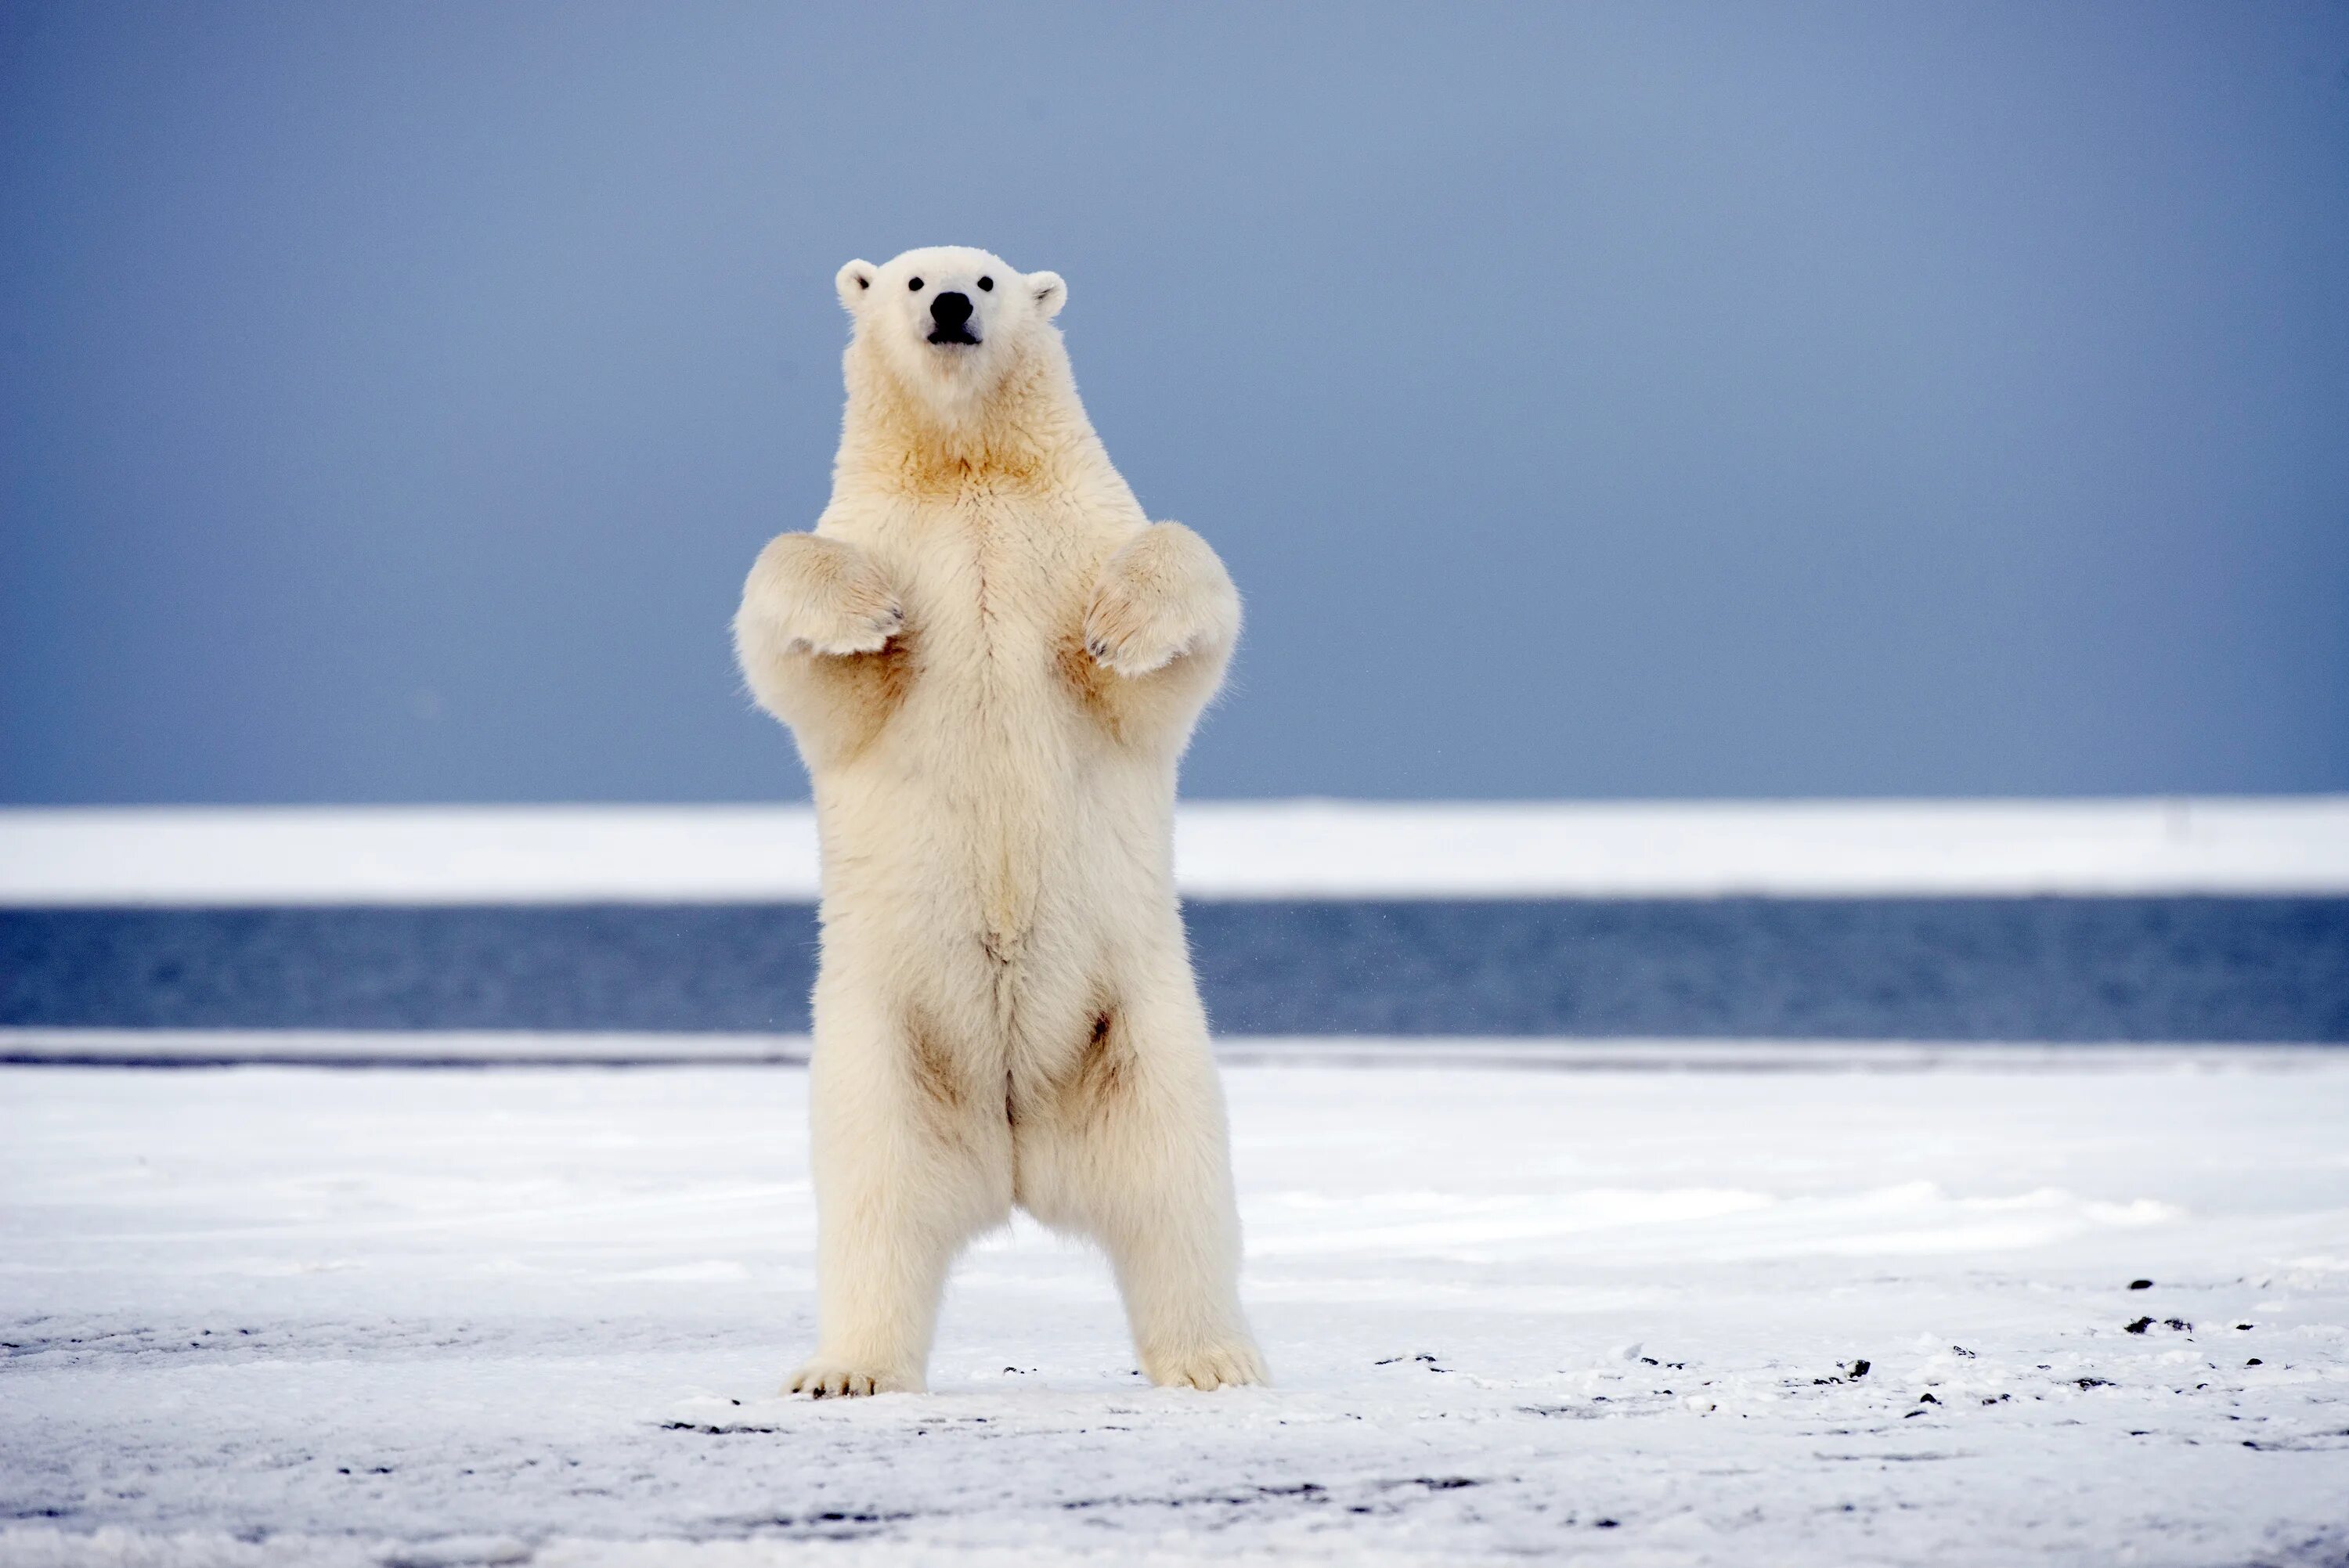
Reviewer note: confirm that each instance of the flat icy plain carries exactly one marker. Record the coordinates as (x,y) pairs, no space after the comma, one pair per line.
(1807,1315)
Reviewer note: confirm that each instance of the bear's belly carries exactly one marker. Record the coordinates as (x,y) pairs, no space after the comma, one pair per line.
(1005,904)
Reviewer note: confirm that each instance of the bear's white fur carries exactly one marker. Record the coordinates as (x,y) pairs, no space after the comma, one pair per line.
(991,660)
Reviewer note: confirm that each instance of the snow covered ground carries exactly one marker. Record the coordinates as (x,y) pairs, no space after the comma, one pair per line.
(1801,1317)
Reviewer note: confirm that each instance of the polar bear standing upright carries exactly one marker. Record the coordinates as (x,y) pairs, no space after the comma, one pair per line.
(991,660)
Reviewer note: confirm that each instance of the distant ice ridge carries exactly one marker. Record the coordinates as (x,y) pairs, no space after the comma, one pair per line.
(1224,849)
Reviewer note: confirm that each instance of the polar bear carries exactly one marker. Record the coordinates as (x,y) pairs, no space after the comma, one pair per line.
(990,660)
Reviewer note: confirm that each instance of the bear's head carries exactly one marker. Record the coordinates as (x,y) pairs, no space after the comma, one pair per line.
(948,323)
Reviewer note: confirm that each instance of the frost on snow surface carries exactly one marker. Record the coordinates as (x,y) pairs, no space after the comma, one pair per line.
(2056,1315)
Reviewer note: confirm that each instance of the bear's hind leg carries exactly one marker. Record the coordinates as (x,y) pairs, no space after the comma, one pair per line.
(908,1166)
(1132,1151)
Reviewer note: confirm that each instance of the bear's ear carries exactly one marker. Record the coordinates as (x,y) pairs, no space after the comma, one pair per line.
(1049,292)
(854,282)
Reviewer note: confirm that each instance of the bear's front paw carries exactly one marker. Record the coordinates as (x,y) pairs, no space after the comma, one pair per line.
(817,594)
(854,613)
(828,1378)
(1134,629)
(863,624)
(1162,596)
(1232,1365)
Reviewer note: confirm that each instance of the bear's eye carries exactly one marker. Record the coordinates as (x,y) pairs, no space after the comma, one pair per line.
(915,284)
(987,284)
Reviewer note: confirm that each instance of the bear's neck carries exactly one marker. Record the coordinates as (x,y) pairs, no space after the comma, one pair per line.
(1030,431)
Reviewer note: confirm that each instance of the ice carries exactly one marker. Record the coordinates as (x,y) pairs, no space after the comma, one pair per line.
(270,1316)
(231,856)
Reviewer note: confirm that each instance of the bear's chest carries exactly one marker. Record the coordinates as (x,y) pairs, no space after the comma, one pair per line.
(996,589)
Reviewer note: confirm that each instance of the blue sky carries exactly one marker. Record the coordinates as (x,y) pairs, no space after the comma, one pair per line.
(1590,400)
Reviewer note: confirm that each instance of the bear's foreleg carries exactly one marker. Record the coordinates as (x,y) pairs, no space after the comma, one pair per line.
(910,1162)
(821,641)
(1132,1151)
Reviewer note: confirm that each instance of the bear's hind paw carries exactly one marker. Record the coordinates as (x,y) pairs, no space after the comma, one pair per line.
(1232,1366)
(826,1378)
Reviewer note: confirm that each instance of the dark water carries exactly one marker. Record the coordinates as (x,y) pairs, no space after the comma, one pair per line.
(2223,969)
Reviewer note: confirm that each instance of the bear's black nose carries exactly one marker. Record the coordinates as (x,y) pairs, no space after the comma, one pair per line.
(951,318)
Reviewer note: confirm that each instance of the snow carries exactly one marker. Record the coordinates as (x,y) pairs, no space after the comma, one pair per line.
(278,1315)
(1224,850)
